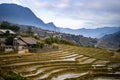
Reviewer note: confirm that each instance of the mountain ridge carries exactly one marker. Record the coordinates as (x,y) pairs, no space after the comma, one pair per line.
(110,41)
(22,15)
(94,33)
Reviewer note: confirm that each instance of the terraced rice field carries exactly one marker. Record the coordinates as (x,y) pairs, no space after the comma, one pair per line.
(67,63)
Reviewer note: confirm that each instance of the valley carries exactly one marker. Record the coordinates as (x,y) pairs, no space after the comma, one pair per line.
(59,40)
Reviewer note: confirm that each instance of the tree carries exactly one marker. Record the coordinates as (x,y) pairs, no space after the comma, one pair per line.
(56,40)
(15,28)
(6,25)
(29,30)
(9,40)
(118,50)
(48,41)
(40,44)
(7,33)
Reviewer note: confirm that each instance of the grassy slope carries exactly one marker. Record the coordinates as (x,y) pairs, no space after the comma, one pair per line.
(43,60)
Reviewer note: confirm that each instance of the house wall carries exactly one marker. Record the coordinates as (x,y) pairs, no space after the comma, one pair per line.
(20,47)
(2,49)
(8,49)
(1,32)
(23,51)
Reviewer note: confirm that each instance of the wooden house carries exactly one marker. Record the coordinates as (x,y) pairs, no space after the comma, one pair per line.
(3,31)
(24,44)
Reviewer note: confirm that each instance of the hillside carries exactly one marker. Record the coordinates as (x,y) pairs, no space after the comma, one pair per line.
(22,15)
(67,62)
(41,33)
(94,33)
(78,39)
(111,41)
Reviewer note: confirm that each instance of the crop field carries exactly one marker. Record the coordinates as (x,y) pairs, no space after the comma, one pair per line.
(66,63)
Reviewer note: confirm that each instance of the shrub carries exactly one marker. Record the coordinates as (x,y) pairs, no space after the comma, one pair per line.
(14,77)
(40,44)
(48,41)
(6,25)
(9,75)
(59,41)
(9,40)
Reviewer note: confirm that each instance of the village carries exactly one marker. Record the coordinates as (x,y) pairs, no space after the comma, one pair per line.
(29,42)
(29,54)
(34,58)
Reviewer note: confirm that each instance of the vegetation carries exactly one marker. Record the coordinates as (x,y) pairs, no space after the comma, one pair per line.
(9,75)
(40,44)
(52,40)
(66,60)
(9,40)
(6,25)
(24,35)
(29,31)
(118,50)
(48,41)
(67,42)
(7,33)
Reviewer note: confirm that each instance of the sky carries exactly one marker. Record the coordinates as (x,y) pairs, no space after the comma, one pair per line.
(75,14)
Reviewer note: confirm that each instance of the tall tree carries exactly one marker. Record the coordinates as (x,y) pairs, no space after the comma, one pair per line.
(6,25)
(9,40)
(7,33)
(29,31)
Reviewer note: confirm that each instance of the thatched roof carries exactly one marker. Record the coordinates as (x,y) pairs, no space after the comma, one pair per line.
(3,31)
(29,40)
(21,42)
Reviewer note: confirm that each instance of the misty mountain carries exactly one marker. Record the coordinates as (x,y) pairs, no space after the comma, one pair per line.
(94,33)
(51,26)
(21,15)
(111,41)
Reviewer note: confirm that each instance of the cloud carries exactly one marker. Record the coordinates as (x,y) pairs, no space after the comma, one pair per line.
(11,1)
(52,4)
(75,13)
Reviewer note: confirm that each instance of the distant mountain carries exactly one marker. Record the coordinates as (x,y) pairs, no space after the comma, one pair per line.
(94,33)
(51,26)
(111,41)
(78,39)
(21,15)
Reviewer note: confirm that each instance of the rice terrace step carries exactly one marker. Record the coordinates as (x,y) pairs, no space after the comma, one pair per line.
(68,63)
